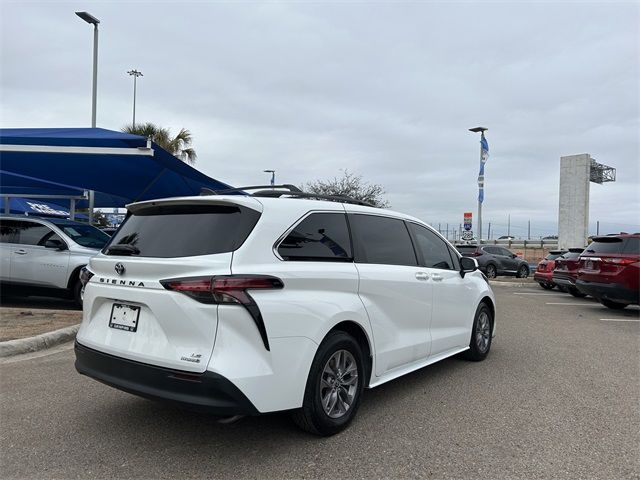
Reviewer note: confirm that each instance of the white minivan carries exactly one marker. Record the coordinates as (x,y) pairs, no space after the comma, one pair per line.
(43,256)
(246,304)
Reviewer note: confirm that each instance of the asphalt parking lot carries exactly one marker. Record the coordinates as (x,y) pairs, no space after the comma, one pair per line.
(557,398)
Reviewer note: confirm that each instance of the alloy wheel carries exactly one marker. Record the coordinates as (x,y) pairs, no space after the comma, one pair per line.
(491,271)
(339,384)
(483,331)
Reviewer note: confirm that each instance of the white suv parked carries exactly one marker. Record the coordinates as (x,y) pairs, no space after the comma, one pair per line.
(44,256)
(237,304)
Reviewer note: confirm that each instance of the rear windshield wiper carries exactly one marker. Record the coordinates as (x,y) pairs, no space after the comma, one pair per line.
(123,249)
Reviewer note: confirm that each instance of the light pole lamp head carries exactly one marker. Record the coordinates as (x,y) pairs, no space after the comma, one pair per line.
(269,171)
(478,129)
(135,73)
(87,17)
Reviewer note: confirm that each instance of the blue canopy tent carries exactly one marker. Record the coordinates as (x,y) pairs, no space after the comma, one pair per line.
(119,167)
(29,206)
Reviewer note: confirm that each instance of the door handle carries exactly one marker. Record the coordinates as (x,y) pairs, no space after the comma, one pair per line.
(422,276)
(436,277)
(20,252)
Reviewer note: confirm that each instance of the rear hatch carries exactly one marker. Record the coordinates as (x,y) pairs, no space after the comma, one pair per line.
(147,299)
(606,258)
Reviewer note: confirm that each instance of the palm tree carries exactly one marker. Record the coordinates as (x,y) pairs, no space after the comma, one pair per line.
(178,146)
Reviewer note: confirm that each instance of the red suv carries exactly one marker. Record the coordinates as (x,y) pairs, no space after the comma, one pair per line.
(565,273)
(610,270)
(544,272)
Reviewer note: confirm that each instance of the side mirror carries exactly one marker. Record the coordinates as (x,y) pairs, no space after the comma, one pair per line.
(467,265)
(57,244)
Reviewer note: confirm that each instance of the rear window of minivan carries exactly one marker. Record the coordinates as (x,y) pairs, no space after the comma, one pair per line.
(168,231)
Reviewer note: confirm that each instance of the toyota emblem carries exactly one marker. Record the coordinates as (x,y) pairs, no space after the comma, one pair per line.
(119,268)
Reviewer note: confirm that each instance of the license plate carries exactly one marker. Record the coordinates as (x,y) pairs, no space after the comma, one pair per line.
(124,317)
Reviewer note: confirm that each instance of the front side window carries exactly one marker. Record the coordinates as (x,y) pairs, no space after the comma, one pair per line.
(381,240)
(435,253)
(32,233)
(319,237)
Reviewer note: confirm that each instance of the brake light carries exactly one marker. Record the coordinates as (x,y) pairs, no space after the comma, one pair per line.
(85,276)
(619,261)
(476,254)
(221,289)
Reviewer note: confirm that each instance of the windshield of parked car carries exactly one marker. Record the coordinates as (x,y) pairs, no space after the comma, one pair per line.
(85,235)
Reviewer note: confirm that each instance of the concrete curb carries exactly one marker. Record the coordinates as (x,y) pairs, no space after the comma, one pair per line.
(39,342)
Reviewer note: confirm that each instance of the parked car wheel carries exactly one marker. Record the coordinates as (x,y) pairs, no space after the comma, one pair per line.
(334,387)
(492,272)
(613,305)
(76,291)
(481,335)
(547,286)
(577,293)
(523,272)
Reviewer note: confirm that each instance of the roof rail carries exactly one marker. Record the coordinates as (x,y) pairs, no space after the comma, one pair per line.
(276,191)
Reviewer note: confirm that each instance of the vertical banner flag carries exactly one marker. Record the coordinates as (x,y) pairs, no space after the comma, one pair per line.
(484,156)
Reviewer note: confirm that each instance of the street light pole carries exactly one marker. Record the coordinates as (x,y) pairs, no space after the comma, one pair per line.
(481,130)
(273,176)
(94,95)
(135,74)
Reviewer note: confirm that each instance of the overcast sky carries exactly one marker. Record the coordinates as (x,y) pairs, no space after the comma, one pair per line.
(385,89)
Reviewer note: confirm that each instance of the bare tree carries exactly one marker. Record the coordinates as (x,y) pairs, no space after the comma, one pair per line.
(349,185)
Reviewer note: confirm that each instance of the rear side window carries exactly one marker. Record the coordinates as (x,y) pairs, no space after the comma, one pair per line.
(9,231)
(184,230)
(319,237)
(381,240)
(492,250)
(435,253)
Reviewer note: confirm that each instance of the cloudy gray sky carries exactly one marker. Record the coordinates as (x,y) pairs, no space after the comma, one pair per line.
(384,89)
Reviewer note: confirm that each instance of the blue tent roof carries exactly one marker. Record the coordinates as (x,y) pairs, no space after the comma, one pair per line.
(117,166)
(40,208)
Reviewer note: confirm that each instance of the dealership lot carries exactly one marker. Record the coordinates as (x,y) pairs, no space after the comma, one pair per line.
(557,397)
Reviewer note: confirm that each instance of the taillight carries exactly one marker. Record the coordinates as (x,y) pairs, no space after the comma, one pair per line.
(619,261)
(85,276)
(227,289)
(476,254)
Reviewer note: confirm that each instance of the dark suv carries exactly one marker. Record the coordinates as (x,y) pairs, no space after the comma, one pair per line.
(610,270)
(565,271)
(494,260)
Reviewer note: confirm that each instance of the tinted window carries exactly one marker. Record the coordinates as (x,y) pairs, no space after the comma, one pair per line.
(435,253)
(455,258)
(32,233)
(319,237)
(570,255)
(632,245)
(504,251)
(85,235)
(492,250)
(381,240)
(466,249)
(9,231)
(553,255)
(606,245)
(185,230)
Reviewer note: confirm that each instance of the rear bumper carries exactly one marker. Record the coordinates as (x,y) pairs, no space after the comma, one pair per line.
(207,392)
(564,281)
(543,277)
(609,291)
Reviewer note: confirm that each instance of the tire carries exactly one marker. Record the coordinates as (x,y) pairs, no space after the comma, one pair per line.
(482,327)
(492,272)
(313,417)
(576,293)
(76,292)
(546,286)
(523,272)
(613,305)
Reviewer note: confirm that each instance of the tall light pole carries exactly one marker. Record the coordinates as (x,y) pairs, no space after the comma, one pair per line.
(94,100)
(135,74)
(273,176)
(484,154)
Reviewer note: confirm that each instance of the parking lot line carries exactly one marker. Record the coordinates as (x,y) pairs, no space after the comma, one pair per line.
(574,304)
(525,293)
(620,319)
